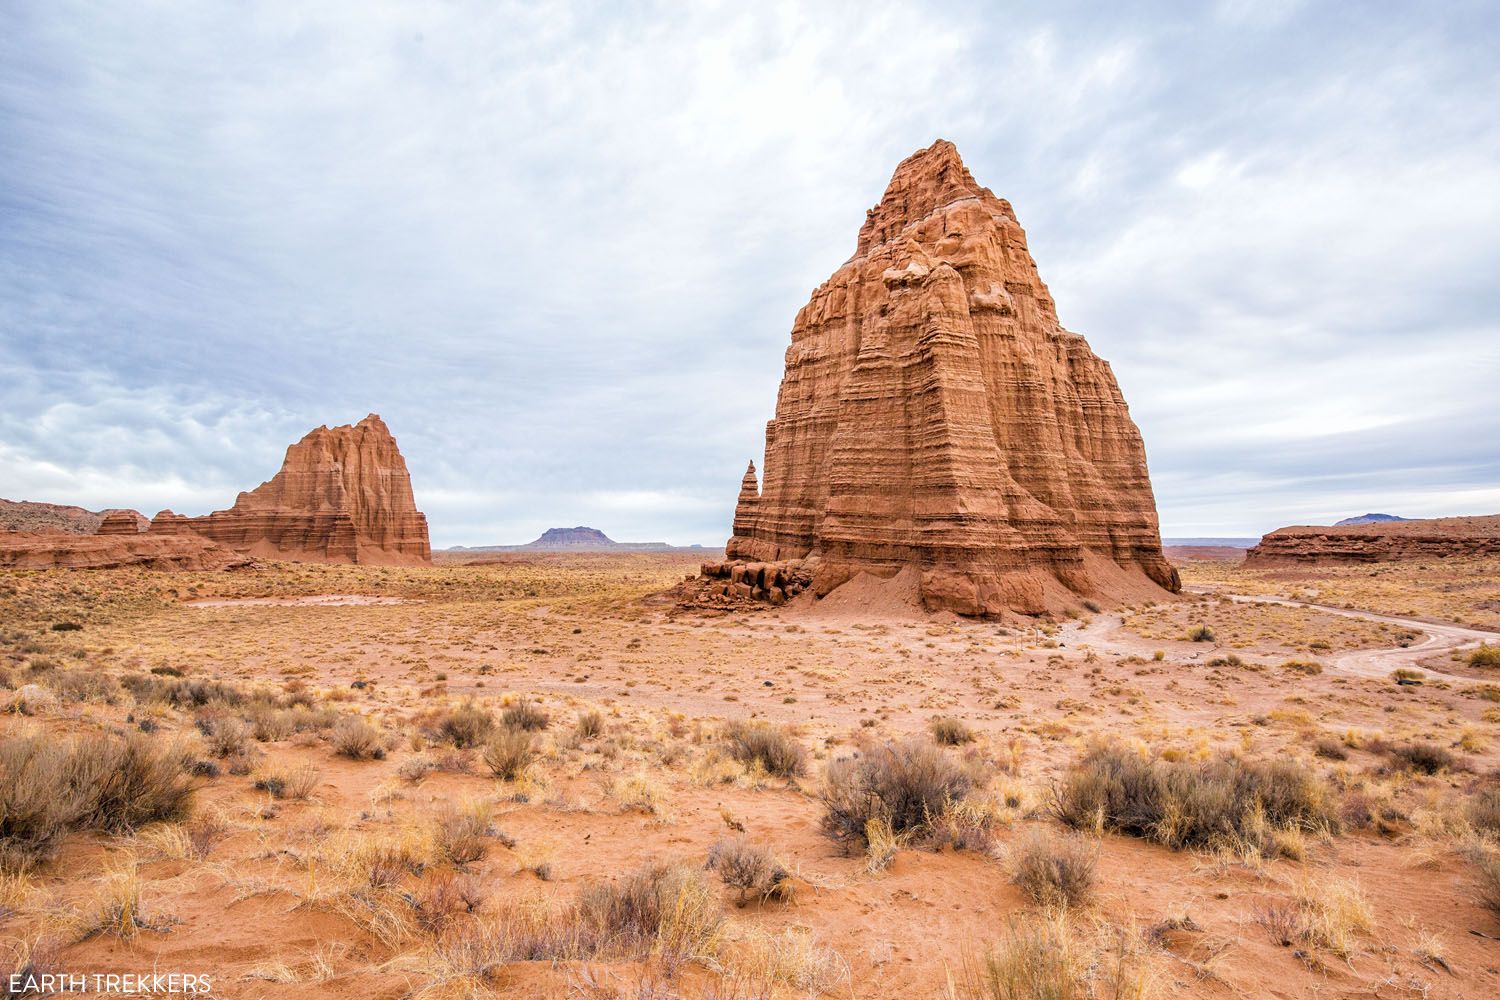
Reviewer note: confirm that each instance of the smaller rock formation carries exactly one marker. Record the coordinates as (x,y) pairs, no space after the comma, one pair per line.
(31,515)
(120,522)
(343,495)
(1381,541)
(64,550)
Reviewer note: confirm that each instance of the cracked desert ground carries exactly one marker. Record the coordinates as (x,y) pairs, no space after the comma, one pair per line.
(509,778)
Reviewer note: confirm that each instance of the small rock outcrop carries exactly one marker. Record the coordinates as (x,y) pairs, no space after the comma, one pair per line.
(33,516)
(121,522)
(1378,541)
(935,415)
(343,495)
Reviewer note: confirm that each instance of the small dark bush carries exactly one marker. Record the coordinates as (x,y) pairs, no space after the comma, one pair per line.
(1201,633)
(508,753)
(773,747)
(525,715)
(1054,871)
(950,731)
(1483,811)
(1424,758)
(1330,749)
(590,724)
(906,784)
(750,868)
(357,739)
(466,726)
(1485,656)
(66,627)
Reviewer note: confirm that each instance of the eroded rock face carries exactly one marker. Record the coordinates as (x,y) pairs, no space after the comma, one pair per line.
(1380,541)
(934,413)
(62,550)
(343,495)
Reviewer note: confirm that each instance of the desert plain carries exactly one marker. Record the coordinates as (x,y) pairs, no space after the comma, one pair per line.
(538,774)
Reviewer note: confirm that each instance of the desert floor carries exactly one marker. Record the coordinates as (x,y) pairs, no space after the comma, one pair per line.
(364,812)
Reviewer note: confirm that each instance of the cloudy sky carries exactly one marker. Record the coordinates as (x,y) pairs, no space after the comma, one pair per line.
(559,248)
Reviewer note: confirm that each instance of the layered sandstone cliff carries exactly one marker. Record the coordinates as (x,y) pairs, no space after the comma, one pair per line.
(70,550)
(935,414)
(343,495)
(1381,541)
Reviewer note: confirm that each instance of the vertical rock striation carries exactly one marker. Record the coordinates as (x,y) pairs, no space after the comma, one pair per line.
(935,414)
(343,495)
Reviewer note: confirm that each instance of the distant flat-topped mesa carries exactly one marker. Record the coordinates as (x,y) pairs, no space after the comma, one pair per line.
(934,415)
(1379,541)
(343,495)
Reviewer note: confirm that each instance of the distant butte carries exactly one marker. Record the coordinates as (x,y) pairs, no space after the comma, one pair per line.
(343,495)
(1378,541)
(935,419)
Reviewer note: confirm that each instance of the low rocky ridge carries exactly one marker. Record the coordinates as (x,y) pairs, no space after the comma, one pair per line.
(67,550)
(32,516)
(1380,541)
(934,416)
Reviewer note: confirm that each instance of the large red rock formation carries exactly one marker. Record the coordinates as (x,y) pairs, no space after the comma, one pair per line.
(343,495)
(934,414)
(121,522)
(65,550)
(1381,541)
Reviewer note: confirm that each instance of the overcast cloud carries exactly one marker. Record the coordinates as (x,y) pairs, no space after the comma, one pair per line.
(560,247)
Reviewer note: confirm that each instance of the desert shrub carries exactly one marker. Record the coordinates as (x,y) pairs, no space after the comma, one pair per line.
(81,684)
(225,737)
(1483,811)
(1224,801)
(356,739)
(966,825)
(133,782)
(1485,656)
(904,784)
(508,753)
(1424,758)
(270,724)
(950,731)
(772,747)
(1201,633)
(95,781)
(1310,667)
(462,833)
(590,724)
(440,902)
(66,627)
(182,692)
(750,868)
(1487,868)
(466,726)
(526,716)
(1232,660)
(289,783)
(669,910)
(1330,749)
(1054,871)
(1037,957)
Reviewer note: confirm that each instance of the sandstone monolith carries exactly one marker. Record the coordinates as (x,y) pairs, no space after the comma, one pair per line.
(935,414)
(343,495)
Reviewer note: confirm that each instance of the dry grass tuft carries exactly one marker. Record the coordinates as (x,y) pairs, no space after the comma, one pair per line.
(774,748)
(509,753)
(1054,871)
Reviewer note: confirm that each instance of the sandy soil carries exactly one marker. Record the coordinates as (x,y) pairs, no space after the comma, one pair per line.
(279,904)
